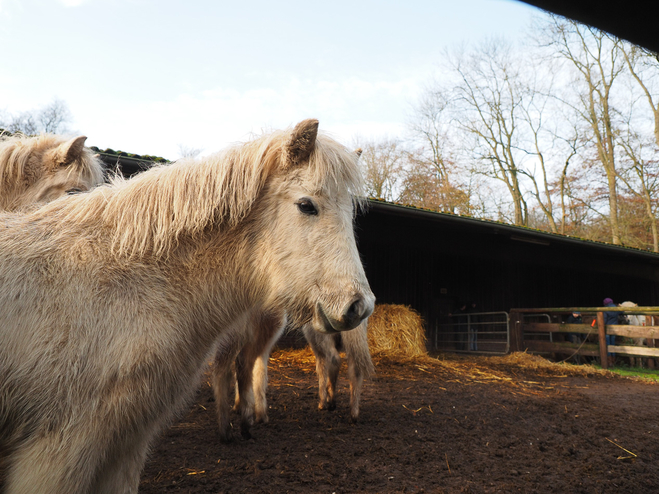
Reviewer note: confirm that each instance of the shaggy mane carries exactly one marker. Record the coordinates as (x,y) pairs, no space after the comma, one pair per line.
(150,213)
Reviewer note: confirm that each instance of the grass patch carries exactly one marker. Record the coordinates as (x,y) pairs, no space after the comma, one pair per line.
(623,370)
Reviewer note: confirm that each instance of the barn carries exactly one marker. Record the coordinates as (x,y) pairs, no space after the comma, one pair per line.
(434,262)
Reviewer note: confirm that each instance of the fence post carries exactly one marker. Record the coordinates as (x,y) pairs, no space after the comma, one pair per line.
(601,331)
(651,344)
(516,336)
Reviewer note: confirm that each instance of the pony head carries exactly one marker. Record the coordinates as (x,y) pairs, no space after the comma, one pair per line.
(306,247)
(41,168)
(273,218)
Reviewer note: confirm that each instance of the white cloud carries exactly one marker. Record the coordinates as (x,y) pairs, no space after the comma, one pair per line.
(72,3)
(213,119)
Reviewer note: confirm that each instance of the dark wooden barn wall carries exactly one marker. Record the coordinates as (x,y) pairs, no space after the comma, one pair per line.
(430,265)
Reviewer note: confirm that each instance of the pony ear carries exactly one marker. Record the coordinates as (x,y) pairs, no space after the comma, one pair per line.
(358,152)
(69,152)
(301,142)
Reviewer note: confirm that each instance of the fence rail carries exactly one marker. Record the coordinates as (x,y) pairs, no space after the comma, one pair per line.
(524,334)
(474,332)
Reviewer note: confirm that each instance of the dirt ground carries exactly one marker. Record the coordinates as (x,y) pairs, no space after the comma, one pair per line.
(468,425)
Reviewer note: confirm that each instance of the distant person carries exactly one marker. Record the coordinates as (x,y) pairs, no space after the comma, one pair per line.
(610,317)
(574,318)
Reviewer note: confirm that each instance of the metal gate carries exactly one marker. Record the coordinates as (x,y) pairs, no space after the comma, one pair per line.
(476,332)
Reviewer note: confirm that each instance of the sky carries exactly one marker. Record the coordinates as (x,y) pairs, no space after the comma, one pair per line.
(152,76)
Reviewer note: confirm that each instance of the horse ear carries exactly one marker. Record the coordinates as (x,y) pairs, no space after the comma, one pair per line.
(358,152)
(302,141)
(70,151)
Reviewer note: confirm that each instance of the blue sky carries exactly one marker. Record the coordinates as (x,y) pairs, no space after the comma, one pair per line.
(146,76)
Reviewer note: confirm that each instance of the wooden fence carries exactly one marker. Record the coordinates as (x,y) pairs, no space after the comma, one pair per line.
(522,331)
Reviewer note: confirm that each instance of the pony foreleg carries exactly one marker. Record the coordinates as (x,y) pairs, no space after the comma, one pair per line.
(260,372)
(260,383)
(244,366)
(122,472)
(638,361)
(253,380)
(44,465)
(222,377)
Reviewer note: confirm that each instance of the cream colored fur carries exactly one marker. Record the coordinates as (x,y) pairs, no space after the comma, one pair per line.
(41,168)
(113,301)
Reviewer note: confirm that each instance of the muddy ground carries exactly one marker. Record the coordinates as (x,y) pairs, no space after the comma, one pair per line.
(478,425)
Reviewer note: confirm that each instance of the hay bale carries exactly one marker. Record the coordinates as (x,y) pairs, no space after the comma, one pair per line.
(396,330)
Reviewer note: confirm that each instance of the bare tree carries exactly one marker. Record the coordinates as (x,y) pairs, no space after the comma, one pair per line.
(597,61)
(489,96)
(54,118)
(383,162)
(641,176)
(188,151)
(430,128)
(434,178)
(639,62)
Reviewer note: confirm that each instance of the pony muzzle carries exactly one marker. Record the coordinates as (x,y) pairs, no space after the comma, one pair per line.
(353,313)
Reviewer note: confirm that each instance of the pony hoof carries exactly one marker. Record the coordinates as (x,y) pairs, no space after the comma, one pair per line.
(246,434)
(262,419)
(226,439)
(331,407)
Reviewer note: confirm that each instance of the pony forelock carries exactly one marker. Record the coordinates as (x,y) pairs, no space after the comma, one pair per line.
(150,213)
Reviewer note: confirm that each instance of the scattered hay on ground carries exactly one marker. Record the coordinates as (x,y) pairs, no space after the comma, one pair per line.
(521,372)
(528,361)
(301,358)
(396,330)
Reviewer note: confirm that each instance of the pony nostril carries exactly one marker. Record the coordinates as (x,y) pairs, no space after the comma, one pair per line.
(354,312)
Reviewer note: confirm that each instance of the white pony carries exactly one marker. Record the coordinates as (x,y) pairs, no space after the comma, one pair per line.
(114,300)
(635,320)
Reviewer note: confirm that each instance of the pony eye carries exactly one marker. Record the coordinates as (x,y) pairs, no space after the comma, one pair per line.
(74,190)
(306,206)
